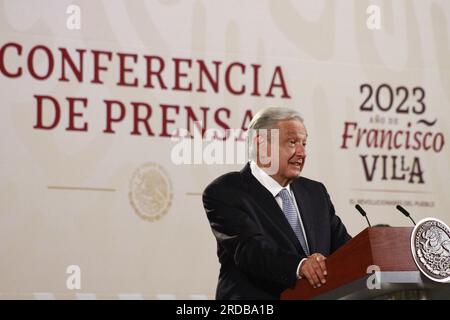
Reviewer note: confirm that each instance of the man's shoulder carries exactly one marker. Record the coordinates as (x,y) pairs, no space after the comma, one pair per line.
(230,180)
(308,183)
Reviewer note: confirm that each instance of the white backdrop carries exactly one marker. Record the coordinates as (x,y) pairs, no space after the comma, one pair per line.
(110,200)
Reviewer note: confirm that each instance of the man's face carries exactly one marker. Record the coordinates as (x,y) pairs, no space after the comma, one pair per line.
(292,154)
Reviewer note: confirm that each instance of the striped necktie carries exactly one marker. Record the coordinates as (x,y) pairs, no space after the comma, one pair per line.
(292,217)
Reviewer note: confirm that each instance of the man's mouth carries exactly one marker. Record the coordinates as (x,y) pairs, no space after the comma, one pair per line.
(297,163)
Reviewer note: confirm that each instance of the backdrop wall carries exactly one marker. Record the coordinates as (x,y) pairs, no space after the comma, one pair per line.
(88,172)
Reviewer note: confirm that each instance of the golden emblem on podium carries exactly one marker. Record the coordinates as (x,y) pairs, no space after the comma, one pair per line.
(430,246)
(150,191)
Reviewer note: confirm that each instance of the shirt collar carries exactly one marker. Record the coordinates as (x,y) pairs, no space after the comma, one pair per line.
(267,181)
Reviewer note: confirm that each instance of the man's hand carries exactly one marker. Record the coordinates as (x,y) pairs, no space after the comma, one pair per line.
(314,269)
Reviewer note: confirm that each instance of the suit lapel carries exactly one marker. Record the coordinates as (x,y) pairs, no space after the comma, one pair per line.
(306,212)
(267,202)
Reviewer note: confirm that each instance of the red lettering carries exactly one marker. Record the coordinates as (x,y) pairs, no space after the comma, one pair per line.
(165,120)
(191,117)
(360,135)
(426,144)
(144,120)
(73,114)
(213,82)
(244,126)
(66,58)
(180,75)
(437,147)
(157,73)
(221,123)
(3,69)
(97,66)
(417,140)
(278,72)
(123,69)
(397,145)
(228,78)
(346,134)
(255,91)
(49,62)
(109,114)
(39,115)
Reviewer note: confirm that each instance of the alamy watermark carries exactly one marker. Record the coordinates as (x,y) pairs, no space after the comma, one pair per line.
(73,281)
(73,21)
(374,280)
(230,146)
(373,21)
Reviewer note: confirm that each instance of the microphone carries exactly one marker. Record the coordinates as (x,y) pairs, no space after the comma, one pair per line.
(406,213)
(363,213)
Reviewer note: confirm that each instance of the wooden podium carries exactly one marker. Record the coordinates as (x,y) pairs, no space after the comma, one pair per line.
(348,275)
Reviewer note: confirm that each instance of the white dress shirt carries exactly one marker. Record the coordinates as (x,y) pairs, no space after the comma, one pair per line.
(274,188)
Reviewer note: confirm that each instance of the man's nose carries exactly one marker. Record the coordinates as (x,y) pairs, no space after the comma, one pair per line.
(300,150)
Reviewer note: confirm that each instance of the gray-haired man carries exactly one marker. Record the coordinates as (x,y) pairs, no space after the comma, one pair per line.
(271,225)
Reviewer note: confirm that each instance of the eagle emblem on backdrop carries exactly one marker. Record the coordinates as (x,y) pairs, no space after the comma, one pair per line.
(430,246)
(150,192)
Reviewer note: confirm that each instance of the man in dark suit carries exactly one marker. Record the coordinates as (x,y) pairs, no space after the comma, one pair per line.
(272,226)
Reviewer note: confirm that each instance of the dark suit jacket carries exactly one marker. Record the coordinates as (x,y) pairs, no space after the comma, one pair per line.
(257,248)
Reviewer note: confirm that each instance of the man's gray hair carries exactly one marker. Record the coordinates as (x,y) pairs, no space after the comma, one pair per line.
(267,119)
